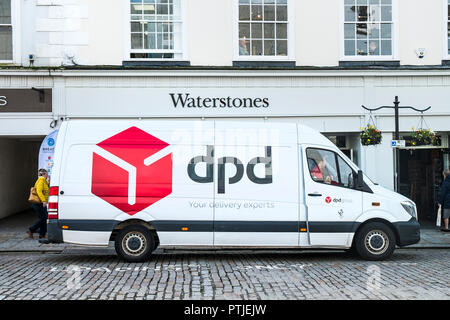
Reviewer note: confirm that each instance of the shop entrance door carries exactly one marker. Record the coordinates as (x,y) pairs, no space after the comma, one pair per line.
(421,179)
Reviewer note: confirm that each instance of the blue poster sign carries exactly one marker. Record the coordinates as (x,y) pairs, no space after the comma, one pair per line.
(46,152)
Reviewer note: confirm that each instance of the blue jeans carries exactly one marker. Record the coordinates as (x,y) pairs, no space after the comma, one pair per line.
(41,224)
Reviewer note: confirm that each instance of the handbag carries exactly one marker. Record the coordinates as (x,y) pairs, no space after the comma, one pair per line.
(34,198)
(439,217)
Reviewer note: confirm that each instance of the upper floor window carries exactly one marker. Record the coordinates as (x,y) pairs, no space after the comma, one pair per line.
(448,27)
(6,44)
(368,28)
(155,29)
(263,28)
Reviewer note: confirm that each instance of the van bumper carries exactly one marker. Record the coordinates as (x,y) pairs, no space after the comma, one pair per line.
(408,232)
(54,232)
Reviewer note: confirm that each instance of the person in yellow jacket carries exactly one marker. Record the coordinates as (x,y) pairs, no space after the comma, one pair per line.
(43,190)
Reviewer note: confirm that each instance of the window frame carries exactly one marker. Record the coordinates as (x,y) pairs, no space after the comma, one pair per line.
(183,54)
(395,33)
(338,169)
(446,21)
(15,26)
(290,37)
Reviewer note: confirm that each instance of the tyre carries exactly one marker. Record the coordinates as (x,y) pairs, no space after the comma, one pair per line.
(351,252)
(134,243)
(375,241)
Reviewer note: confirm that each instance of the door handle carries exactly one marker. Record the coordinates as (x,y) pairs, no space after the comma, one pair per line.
(314,194)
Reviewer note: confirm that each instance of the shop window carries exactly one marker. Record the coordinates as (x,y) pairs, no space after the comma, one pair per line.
(263,28)
(368,28)
(155,29)
(339,141)
(6,44)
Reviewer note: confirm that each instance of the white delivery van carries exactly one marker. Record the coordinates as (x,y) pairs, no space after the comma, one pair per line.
(220,184)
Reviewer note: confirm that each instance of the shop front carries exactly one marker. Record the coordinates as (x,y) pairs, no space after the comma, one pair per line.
(329,101)
(25,116)
(421,178)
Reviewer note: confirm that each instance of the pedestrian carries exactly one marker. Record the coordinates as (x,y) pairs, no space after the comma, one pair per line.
(444,199)
(42,190)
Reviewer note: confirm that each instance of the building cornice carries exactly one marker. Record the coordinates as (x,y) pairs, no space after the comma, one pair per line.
(228,72)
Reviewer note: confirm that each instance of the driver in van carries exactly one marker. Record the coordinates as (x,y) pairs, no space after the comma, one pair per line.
(317,172)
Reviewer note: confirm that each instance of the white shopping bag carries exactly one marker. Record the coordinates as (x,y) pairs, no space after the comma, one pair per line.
(439,217)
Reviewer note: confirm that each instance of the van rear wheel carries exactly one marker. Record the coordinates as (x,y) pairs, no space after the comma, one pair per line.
(134,243)
(375,241)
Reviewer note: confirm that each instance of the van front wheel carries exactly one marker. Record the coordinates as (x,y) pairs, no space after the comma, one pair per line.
(375,241)
(134,243)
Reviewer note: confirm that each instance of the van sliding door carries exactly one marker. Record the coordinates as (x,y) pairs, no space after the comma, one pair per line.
(256,184)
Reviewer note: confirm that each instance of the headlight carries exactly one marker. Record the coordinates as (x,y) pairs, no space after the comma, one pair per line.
(410,207)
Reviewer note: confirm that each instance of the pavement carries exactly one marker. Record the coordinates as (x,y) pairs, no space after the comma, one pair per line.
(33,271)
(13,237)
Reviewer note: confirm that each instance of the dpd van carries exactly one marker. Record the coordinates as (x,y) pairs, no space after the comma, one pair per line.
(143,184)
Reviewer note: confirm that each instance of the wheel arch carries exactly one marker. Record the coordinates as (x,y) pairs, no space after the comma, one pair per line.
(381,220)
(130,222)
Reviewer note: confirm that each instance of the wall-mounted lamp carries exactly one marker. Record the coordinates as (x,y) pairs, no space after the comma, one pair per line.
(54,123)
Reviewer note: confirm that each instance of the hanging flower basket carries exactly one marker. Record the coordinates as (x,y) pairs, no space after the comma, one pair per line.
(423,137)
(370,135)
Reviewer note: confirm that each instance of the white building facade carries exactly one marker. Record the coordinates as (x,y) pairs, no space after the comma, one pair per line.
(314,62)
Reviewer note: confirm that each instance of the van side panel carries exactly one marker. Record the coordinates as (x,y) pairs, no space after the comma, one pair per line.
(256,185)
(117,170)
(92,238)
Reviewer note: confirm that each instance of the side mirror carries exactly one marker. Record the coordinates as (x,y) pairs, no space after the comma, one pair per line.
(360,180)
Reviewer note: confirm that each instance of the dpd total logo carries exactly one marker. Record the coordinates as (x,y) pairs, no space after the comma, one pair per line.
(132,170)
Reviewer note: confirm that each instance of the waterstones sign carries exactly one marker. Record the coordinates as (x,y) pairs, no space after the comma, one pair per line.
(186,100)
(25,100)
(198,102)
(3,101)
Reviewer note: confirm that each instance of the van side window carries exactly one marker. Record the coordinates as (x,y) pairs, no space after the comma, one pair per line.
(322,166)
(328,167)
(347,174)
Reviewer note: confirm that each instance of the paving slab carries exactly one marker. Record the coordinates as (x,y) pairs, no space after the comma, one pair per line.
(432,238)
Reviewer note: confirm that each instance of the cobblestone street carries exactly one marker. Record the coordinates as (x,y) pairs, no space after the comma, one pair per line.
(181,275)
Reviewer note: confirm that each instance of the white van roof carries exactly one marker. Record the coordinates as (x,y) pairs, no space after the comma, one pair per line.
(307,135)
(231,130)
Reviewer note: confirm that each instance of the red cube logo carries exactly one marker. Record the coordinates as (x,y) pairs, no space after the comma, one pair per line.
(132,170)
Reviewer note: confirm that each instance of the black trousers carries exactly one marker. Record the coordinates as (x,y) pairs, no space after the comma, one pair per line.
(41,224)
